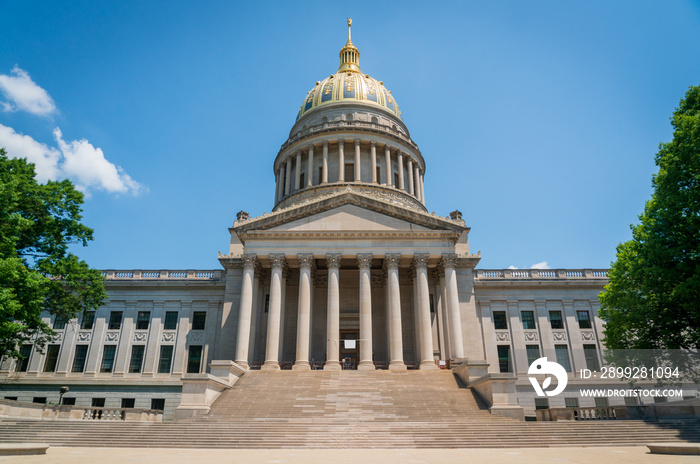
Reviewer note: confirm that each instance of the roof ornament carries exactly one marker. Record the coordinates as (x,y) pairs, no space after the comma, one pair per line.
(349,25)
(349,55)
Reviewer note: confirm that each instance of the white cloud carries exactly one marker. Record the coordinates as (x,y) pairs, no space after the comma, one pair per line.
(512,267)
(24,94)
(45,158)
(542,265)
(77,160)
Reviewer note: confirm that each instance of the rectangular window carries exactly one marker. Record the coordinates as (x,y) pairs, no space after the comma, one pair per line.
(379,173)
(302,180)
(563,356)
(166,359)
(533,353)
(199,318)
(320,174)
(601,402)
(396,180)
(555,320)
(136,358)
(541,403)
(267,303)
(528,319)
(591,354)
(158,403)
(88,320)
(59,323)
(432,304)
(23,364)
(143,320)
(51,358)
(504,358)
(108,358)
(660,399)
(128,403)
(194,359)
(349,172)
(79,359)
(98,402)
(571,402)
(68,401)
(13,398)
(499,320)
(584,319)
(631,401)
(170,320)
(115,320)
(39,399)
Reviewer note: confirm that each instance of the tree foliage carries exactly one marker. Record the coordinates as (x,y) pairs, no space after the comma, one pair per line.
(38,274)
(652,300)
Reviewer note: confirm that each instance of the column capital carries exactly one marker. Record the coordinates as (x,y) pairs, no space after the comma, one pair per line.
(400,154)
(333,260)
(420,260)
(364,260)
(325,143)
(306,260)
(373,144)
(310,148)
(449,260)
(341,142)
(357,142)
(277,260)
(250,260)
(392,260)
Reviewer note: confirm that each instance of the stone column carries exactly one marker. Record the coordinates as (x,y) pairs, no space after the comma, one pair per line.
(364,262)
(441,310)
(278,183)
(306,260)
(401,183)
(333,314)
(422,190)
(358,167)
(420,261)
(297,174)
(283,317)
(387,161)
(457,348)
(417,177)
(273,314)
(288,175)
(310,167)
(410,176)
(373,160)
(341,160)
(246,310)
(324,179)
(391,262)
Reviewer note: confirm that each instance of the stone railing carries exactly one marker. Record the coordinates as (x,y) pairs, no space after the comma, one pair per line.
(554,274)
(40,411)
(166,274)
(579,414)
(122,414)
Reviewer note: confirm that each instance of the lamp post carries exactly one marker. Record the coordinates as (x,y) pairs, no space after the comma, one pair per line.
(62,391)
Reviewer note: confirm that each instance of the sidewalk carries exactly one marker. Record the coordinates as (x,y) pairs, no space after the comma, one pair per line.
(623,455)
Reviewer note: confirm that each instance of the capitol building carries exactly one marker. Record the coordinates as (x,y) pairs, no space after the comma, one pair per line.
(349,271)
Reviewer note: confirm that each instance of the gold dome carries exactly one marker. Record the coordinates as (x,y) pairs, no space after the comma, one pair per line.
(349,85)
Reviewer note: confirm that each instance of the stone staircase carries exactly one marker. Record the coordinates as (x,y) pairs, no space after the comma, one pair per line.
(347,409)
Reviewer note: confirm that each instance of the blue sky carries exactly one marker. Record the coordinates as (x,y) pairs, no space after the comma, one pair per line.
(538,120)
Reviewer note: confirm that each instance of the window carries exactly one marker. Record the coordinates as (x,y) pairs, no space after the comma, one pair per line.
(142,320)
(25,352)
(555,320)
(128,402)
(528,319)
(51,358)
(320,174)
(158,403)
(199,318)
(563,356)
(108,358)
(79,359)
(170,320)
(379,173)
(88,320)
(98,402)
(601,402)
(396,180)
(39,399)
(68,401)
(302,180)
(136,358)
(499,320)
(59,323)
(194,360)
(349,172)
(267,303)
(504,358)
(166,359)
(591,354)
(541,403)
(115,320)
(13,398)
(533,353)
(584,319)
(432,304)
(631,401)
(660,399)
(571,402)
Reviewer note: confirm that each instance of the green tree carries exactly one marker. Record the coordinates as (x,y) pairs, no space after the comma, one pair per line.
(38,274)
(652,300)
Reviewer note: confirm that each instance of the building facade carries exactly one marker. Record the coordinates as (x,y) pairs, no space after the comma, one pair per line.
(348,271)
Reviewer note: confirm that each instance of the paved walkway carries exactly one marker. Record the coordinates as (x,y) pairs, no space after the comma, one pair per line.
(622,455)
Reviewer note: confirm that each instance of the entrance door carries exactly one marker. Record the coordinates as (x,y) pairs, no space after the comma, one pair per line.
(349,349)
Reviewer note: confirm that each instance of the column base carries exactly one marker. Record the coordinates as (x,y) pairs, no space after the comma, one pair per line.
(301,366)
(427,366)
(270,366)
(332,366)
(397,366)
(366,366)
(243,364)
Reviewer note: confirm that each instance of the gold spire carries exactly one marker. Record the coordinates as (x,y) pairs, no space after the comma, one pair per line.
(349,55)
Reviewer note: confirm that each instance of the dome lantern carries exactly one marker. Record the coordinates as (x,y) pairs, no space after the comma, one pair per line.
(349,55)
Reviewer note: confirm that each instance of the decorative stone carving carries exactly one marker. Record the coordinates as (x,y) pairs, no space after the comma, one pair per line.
(58,337)
(84,336)
(392,260)
(277,260)
(364,260)
(502,336)
(333,260)
(378,280)
(306,260)
(449,260)
(112,336)
(531,336)
(559,336)
(195,336)
(168,337)
(250,260)
(587,335)
(140,336)
(420,260)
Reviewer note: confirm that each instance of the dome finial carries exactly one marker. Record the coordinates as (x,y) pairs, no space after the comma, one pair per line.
(349,55)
